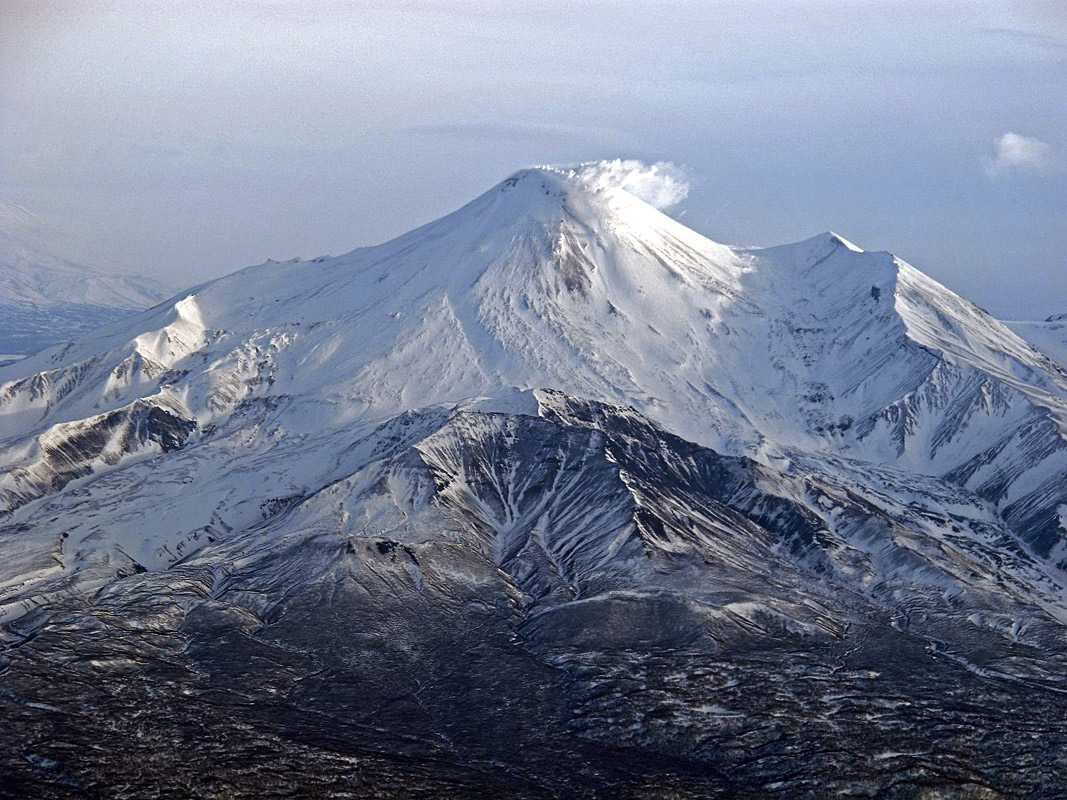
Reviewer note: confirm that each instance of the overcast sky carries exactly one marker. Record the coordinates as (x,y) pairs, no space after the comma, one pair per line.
(187,141)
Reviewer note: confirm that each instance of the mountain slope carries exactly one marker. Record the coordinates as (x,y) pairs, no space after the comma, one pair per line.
(45,298)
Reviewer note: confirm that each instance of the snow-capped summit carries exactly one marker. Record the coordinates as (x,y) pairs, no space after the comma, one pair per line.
(46,298)
(551,279)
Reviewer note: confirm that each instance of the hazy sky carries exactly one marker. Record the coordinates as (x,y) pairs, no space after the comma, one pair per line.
(188,139)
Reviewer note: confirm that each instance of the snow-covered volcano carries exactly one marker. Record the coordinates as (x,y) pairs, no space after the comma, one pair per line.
(546,281)
(564,405)
(46,298)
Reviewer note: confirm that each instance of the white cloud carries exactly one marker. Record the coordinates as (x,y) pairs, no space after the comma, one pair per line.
(1013,151)
(662,184)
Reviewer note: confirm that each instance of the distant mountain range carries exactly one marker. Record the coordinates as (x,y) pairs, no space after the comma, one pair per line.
(552,497)
(46,298)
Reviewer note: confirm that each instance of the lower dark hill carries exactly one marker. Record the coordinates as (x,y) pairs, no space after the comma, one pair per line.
(578,604)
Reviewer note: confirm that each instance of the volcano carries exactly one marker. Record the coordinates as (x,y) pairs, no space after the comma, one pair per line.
(551,497)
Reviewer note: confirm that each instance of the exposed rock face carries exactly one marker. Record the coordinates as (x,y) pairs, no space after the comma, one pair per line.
(791,523)
(76,449)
